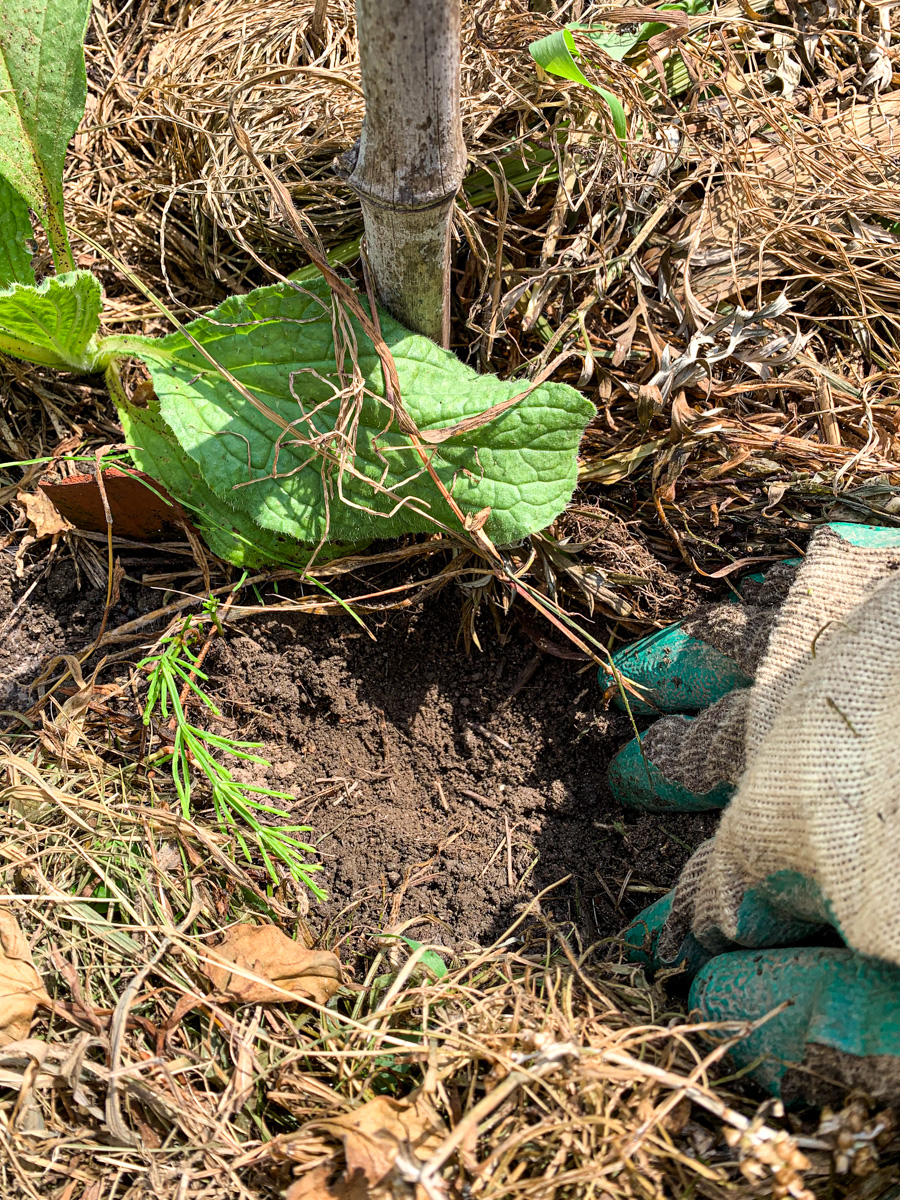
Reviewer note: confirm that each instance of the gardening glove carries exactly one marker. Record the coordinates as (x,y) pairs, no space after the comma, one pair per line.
(686,667)
(808,849)
(706,662)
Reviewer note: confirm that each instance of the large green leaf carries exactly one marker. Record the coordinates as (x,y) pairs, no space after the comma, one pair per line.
(15,232)
(229,532)
(53,324)
(278,343)
(42,94)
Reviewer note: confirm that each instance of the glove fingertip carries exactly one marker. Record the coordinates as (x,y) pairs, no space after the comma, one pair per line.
(636,782)
(678,672)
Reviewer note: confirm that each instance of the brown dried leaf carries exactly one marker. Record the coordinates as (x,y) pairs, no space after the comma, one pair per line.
(258,964)
(66,728)
(475,521)
(314,1185)
(625,336)
(43,515)
(683,416)
(649,403)
(372,1136)
(21,989)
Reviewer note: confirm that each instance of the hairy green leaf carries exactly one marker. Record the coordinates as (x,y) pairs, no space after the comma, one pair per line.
(556,53)
(15,232)
(344,471)
(42,95)
(53,324)
(229,532)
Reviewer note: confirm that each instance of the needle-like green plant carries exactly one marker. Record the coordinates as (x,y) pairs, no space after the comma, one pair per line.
(197,755)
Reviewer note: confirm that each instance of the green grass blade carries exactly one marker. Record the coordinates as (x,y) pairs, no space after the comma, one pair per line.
(556,53)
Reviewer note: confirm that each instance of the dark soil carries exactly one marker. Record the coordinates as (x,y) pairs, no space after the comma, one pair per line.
(438,784)
(62,615)
(426,755)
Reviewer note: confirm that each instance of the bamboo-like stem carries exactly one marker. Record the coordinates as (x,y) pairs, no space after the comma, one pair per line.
(412,155)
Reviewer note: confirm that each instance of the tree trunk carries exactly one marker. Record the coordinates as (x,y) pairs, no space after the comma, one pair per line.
(411,156)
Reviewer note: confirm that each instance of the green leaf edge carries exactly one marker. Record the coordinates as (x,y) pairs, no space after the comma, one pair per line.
(556,54)
(95,359)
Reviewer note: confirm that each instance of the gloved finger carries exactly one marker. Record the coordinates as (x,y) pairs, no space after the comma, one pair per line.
(725,913)
(840,1028)
(682,764)
(689,666)
(649,940)
(676,672)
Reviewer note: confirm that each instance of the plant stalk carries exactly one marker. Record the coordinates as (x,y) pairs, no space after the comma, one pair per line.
(317,26)
(59,242)
(412,156)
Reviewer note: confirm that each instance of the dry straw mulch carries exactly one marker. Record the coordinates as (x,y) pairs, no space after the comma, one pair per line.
(528,1068)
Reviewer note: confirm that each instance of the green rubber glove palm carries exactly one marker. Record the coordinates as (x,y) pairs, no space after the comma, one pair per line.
(809,847)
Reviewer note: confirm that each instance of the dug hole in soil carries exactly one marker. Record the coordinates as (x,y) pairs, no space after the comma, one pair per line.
(442,786)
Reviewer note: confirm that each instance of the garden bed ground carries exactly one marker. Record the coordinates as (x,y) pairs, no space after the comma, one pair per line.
(452,791)
(440,786)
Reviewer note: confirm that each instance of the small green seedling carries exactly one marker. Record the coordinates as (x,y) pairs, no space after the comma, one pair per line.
(198,751)
(557,53)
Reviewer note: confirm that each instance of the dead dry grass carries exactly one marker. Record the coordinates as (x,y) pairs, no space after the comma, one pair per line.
(528,1068)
